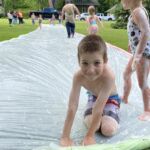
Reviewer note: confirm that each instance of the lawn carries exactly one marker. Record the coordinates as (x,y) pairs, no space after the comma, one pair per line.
(116,37)
(7,32)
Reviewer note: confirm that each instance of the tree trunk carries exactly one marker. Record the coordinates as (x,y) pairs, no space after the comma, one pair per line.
(50,3)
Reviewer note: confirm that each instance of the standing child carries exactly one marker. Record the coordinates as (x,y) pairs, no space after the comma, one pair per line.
(60,18)
(10,18)
(52,19)
(40,21)
(93,21)
(139,42)
(103,102)
(33,18)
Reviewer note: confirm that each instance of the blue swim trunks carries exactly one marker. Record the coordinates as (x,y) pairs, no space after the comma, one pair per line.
(111,108)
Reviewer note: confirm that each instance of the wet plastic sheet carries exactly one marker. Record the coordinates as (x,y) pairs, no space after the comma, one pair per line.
(131,144)
(35,79)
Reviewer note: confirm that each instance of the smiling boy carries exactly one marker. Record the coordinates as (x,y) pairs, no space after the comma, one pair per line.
(103,101)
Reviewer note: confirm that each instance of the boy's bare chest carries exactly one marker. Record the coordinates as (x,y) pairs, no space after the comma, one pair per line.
(95,87)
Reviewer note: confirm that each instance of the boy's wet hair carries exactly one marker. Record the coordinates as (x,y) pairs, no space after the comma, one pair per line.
(92,43)
(91,10)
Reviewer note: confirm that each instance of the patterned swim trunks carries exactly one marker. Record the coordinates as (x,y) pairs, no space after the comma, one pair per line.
(111,108)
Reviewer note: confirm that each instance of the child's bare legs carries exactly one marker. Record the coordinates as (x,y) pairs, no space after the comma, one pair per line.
(40,25)
(142,75)
(93,31)
(127,81)
(108,125)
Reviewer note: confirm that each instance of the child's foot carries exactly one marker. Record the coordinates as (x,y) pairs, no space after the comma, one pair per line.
(145,116)
(125,100)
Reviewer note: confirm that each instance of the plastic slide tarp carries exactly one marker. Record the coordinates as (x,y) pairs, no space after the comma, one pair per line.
(132,144)
(35,79)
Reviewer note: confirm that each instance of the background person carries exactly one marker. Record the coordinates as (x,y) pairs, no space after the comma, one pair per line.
(10,18)
(139,42)
(33,17)
(69,11)
(93,21)
(40,19)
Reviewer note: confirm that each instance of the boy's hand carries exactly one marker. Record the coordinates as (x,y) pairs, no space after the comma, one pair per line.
(88,140)
(66,142)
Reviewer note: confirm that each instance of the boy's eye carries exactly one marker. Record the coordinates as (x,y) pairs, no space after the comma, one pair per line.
(96,63)
(84,63)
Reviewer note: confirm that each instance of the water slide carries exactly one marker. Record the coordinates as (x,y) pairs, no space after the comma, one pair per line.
(36,72)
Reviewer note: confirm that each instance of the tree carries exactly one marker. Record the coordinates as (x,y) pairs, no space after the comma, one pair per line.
(147,5)
(42,3)
(59,4)
(122,15)
(7,5)
(2,11)
(106,4)
(50,3)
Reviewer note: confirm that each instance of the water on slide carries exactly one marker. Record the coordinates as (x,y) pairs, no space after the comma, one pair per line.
(36,72)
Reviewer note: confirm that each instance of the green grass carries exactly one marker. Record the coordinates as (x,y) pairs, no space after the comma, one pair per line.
(116,37)
(7,32)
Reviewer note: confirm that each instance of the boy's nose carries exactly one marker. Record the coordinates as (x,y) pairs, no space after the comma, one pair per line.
(90,70)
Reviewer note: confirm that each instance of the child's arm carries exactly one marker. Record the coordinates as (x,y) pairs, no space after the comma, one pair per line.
(63,13)
(129,48)
(76,10)
(88,24)
(100,24)
(98,110)
(72,108)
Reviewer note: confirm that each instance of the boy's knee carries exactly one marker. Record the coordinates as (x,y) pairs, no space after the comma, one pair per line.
(108,131)
(109,126)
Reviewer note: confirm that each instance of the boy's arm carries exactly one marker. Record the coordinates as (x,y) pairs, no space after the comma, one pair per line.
(98,111)
(72,108)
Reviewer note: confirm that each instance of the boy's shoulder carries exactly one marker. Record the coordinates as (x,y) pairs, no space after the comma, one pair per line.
(78,78)
(78,74)
(108,73)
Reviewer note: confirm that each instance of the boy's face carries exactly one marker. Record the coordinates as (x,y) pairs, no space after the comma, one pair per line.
(92,65)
